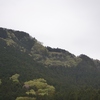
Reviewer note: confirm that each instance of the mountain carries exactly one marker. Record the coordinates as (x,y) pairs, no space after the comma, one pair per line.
(25,62)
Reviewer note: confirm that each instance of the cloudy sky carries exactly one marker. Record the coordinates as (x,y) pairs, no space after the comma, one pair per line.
(73,25)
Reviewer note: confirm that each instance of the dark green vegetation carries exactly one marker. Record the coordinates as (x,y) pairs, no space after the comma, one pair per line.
(30,71)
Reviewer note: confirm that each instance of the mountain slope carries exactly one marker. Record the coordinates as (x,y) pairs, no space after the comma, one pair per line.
(23,55)
(21,47)
(45,55)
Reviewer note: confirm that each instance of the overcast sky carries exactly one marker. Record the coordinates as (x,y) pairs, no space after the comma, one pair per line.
(73,25)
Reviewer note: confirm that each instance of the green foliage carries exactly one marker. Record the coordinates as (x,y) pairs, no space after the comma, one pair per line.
(39,83)
(10,42)
(25,98)
(15,77)
(32,92)
(42,87)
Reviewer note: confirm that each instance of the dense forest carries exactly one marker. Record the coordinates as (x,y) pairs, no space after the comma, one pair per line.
(31,71)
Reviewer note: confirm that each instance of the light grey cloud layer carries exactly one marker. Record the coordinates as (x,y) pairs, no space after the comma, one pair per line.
(73,25)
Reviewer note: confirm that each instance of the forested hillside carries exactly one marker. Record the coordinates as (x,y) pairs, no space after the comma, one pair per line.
(31,71)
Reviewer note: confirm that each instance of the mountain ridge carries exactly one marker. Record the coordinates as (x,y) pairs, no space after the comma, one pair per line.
(46,55)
